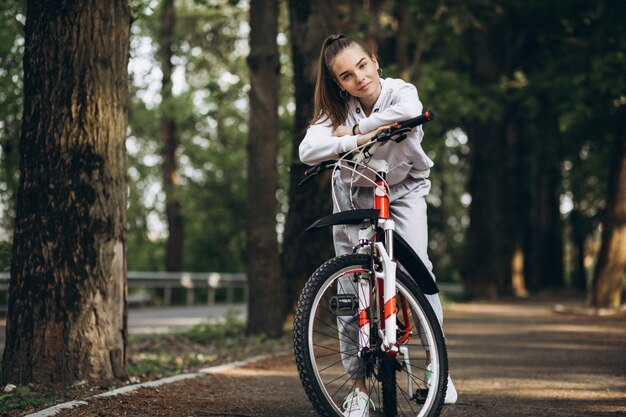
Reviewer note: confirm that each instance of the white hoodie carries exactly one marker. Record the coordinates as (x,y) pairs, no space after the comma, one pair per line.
(398,101)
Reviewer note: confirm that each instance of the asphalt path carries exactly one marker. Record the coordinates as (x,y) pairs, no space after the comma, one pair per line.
(514,358)
(165,319)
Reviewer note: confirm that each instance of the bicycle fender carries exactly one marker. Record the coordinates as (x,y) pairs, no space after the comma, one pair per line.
(344,217)
(411,261)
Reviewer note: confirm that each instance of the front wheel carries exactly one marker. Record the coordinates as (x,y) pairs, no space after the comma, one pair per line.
(411,382)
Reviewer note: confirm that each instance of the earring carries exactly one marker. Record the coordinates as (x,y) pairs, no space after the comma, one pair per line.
(343,94)
(380,71)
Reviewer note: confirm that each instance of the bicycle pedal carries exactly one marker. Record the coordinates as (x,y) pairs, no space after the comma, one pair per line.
(344,305)
(420,396)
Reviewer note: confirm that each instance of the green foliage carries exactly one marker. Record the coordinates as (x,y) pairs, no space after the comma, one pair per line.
(22,398)
(209,107)
(5,256)
(12,13)
(558,64)
(232,327)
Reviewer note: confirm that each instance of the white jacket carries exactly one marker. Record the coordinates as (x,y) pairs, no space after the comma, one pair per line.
(398,101)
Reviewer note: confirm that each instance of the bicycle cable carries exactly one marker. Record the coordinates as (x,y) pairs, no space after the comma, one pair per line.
(354,171)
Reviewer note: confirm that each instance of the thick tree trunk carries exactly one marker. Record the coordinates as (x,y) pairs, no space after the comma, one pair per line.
(67,304)
(310,23)
(517,204)
(488,259)
(265,312)
(546,269)
(606,290)
(169,134)
(490,248)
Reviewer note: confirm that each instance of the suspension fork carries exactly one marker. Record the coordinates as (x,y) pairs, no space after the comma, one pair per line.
(388,308)
(384,280)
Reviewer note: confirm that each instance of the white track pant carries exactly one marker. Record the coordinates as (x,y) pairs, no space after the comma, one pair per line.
(408,209)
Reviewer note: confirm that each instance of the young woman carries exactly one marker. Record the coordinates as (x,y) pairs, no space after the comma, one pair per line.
(352,104)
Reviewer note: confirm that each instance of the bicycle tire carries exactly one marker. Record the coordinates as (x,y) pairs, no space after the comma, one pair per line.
(320,356)
(388,381)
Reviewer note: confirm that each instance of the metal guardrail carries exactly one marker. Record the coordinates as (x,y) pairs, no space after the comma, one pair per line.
(190,280)
(169,280)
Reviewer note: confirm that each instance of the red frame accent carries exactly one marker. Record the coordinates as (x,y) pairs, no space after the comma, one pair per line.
(381,202)
(390,307)
(364,317)
(405,311)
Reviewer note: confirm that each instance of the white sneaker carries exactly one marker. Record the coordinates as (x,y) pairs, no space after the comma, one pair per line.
(451,394)
(356,404)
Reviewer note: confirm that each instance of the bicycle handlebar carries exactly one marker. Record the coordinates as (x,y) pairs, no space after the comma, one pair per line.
(397,133)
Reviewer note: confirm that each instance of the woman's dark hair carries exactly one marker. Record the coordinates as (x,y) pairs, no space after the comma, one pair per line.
(327,102)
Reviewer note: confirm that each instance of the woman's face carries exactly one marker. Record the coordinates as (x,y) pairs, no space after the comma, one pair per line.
(357,73)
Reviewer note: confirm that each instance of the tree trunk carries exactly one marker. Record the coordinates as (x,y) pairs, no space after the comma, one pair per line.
(516,204)
(169,134)
(265,312)
(401,11)
(606,291)
(310,23)
(67,305)
(546,269)
(489,249)
(579,236)
(488,260)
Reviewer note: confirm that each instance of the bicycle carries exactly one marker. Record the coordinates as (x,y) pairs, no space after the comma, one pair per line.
(361,307)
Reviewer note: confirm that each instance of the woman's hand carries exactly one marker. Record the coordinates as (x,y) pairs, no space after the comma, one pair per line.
(363,139)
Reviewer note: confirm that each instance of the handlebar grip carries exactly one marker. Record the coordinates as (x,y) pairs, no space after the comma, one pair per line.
(416,121)
(313,171)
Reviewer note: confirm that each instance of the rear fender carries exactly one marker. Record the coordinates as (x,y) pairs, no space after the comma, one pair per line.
(413,264)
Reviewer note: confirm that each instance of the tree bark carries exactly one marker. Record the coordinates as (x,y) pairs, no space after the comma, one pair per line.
(401,11)
(67,304)
(606,291)
(265,313)
(578,237)
(310,23)
(489,251)
(546,256)
(488,260)
(169,135)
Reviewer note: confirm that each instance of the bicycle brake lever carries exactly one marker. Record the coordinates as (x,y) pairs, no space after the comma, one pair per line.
(400,134)
(311,172)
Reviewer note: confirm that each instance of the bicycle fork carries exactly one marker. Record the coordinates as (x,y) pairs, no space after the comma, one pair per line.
(385,280)
(389,310)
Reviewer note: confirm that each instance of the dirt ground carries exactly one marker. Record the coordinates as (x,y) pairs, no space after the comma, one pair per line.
(516,358)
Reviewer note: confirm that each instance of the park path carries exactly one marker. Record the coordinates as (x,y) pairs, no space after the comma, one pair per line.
(516,358)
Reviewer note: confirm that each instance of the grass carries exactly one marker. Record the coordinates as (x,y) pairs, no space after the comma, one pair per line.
(202,345)
(22,398)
